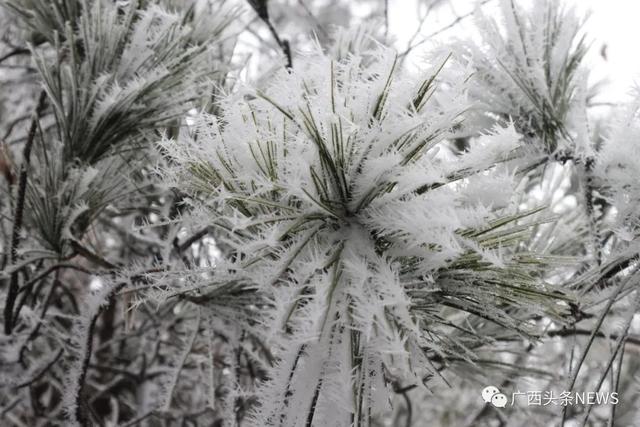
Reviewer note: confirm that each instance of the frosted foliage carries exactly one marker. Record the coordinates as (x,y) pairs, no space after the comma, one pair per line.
(618,167)
(528,67)
(337,166)
(258,213)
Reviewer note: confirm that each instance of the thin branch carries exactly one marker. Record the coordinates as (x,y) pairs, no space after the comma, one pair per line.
(182,361)
(594,219)
(423,19)
(284,44)
(386,19)
(620,343)
(43,371)
(181,247)
(80,414)
(92,256)
(611,271)
(260,6)
(585,332)
(404,391)
(594,332)
(13,124)
(442,30)
(317,23)
(616,383)
(52,269)
(78,398)
(142,417)
(14,52)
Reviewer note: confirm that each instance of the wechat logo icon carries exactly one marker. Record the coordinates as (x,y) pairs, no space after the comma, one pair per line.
(491,394)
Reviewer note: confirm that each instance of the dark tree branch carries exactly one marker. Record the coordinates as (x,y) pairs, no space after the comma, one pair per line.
(181,247)
(13,124)
(14,52)
(43,371)
(92,256)
(260,6)
(404,391)
(284,44)
(585,332)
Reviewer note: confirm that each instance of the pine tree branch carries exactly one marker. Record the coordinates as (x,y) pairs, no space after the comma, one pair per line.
(19,214)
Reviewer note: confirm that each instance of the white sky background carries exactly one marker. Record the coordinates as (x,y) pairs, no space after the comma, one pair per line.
(614,23)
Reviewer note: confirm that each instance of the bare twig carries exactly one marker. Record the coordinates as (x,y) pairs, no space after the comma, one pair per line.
(441,30)
(13,124)
(14,52)
(42,371)
(423,18)
(585,332)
